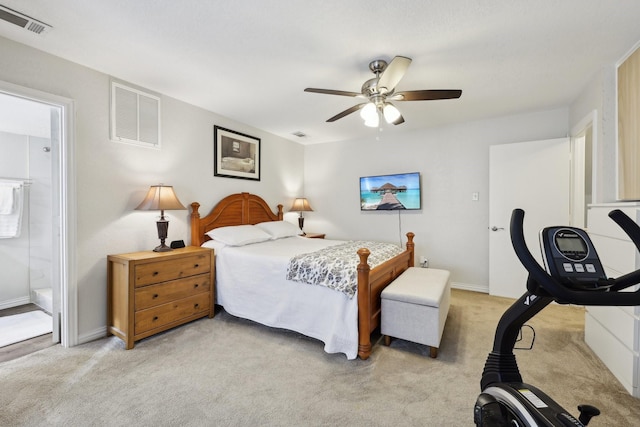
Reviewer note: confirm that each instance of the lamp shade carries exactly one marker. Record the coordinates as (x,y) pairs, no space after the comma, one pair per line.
(391,113)
(369,112)
(370,115)
(301,205)
(159,198)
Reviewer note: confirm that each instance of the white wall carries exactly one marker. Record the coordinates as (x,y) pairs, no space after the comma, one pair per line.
(112,178)
(451,229)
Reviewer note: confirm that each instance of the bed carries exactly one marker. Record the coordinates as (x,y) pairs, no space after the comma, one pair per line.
(238,164)
(287,299)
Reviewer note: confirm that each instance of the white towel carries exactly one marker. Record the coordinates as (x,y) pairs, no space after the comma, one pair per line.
(7,196)
(10,223)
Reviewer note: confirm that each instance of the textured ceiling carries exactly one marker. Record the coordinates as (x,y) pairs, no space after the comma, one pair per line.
(250,60)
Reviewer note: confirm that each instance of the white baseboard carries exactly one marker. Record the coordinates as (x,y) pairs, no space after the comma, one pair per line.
(15,302)
(96,334)
(470,287)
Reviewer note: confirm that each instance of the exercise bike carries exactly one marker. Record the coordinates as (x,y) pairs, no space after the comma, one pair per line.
(572,274)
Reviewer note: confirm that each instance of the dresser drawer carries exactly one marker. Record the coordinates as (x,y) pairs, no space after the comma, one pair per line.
(165,314)
(152,295)
(170,269)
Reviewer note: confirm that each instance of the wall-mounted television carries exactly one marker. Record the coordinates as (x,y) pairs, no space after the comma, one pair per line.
(390,192)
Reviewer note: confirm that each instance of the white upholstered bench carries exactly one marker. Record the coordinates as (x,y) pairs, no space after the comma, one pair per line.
(415,307)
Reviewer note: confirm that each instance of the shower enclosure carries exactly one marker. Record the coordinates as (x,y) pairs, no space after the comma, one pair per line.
(27,256)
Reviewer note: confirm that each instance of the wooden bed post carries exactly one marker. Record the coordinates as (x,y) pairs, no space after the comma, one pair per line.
(196,234)
(364,305)
(366,291)
(410,248)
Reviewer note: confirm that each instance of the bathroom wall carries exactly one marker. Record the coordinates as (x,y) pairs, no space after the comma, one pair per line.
(26,261)
(14,253)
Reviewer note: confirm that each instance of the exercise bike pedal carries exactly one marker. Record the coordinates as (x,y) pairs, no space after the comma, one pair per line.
(587,412)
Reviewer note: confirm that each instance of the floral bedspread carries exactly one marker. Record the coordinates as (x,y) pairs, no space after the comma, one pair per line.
(336,267)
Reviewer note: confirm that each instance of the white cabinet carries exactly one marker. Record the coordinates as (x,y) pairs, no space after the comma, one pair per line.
(613,333)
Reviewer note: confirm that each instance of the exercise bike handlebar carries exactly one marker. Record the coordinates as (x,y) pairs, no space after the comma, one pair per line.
(565,294)
(632,230)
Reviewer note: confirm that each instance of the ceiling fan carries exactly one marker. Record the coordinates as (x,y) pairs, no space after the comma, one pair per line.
(380,91)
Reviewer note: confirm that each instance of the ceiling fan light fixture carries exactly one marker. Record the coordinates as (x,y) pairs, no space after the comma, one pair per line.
(372,123)
(391,113)
(382,88)
(369,112)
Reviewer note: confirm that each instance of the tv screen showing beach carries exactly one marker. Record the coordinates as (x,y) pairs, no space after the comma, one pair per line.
(390,192)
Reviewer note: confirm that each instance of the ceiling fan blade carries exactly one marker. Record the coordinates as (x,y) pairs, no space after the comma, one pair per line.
(394,72)
(426,95)
(332,92)
(347,112)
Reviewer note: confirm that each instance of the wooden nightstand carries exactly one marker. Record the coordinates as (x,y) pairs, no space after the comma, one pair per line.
(150,292)
(314,236)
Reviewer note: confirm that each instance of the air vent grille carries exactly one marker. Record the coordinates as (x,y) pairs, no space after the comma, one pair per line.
(135,116)
(23,21)
(36,27)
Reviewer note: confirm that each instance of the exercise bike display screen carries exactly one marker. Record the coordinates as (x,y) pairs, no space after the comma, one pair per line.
(570,257)
(571,245)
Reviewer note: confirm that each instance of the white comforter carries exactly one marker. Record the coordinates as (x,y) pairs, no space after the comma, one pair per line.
(251,283)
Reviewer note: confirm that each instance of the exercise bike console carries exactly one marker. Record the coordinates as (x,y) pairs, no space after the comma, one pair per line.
(570,257)
(572,274)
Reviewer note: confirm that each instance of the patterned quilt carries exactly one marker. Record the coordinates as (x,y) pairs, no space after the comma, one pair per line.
(336,267)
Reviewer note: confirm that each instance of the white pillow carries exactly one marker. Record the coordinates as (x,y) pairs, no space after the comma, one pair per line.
(279,229)
(239,235)
(213,244)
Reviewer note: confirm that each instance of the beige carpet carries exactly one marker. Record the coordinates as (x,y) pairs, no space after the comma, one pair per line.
(231,372)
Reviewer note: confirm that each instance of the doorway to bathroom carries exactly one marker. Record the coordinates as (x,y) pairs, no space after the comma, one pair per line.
(33,235)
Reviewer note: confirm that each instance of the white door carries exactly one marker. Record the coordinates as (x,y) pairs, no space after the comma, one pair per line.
(533,176)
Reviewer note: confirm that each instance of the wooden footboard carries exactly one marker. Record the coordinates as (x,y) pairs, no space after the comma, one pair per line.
(371,282)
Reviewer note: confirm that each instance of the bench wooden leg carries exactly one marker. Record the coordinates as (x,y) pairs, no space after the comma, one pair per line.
(387,340)
(433,352)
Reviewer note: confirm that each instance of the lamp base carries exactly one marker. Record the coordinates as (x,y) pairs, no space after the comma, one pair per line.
(162,248)
(163,227)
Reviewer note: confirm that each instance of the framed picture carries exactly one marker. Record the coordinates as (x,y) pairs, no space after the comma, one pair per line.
(235,155)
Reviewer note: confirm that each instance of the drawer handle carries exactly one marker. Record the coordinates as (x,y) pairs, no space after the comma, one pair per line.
(196,266)
(155,273)
(196,305)
(155,318)
(155,296)
(195,286)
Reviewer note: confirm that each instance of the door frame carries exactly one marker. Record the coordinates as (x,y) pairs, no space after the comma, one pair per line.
(590,120)
(64,183)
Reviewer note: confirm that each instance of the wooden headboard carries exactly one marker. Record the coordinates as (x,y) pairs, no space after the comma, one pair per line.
(236,209)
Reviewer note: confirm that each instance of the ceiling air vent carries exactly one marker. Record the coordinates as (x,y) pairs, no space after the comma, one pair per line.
(24,21)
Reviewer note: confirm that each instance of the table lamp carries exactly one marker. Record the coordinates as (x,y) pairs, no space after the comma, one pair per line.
(301,205)
(161,197)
